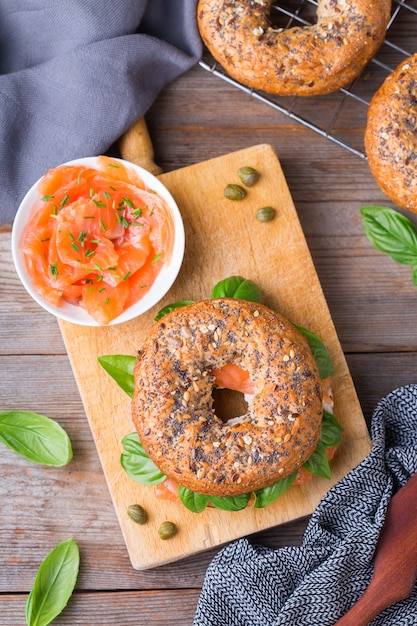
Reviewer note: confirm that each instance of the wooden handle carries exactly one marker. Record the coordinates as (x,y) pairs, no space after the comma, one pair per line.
(365,609)
(136,146)
(395,563)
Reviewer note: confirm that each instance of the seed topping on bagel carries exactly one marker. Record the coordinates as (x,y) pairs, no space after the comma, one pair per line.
(391,135)
(173,403)
(302,60)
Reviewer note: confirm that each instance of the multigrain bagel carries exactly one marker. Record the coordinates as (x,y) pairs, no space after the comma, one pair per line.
(302,60)
(391,135)
(173,405)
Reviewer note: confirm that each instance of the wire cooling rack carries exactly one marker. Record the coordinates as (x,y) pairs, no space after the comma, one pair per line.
(336,116)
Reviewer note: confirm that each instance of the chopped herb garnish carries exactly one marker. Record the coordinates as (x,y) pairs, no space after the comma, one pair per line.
(138,212)
(102,289)
(126,276)
(74,245)
(113,165)
(112,188)
(89,253)
(95,240)
(81,237)
(107,195)
(107,301)
(88,217)
(100,204)
(46,198)
(64,201)
(156,258)
(71,236)
(45,240)
(92,192)
(79,179)
(129,202)
(54,269)
(102,225)
(125,223)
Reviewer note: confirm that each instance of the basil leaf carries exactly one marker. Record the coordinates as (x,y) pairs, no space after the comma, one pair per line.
(195,502)
(137,463)
(120,367)
(318,463)
(331,431)
(35,437)
(54,584)
(171,307)
(237,287)
(230,503)
(390,232)
(320,352)
(268,495)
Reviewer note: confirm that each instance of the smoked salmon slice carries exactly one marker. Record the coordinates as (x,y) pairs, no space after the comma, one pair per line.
(99,237)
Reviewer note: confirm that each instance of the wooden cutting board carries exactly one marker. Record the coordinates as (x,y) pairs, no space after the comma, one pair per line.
(223,238)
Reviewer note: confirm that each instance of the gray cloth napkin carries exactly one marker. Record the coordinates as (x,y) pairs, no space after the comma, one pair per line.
(76,74)
(317,582)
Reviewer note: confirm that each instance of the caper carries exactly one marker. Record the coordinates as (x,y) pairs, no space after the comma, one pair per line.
(248,175)
(234,192)
(137,513)
(265,214)
(167,530)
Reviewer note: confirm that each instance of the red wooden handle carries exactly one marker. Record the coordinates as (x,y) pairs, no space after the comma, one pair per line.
(395,563)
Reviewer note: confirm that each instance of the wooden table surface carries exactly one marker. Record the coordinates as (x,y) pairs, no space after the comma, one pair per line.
(371,299)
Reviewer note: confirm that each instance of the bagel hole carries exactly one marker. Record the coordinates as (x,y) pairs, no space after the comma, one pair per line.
(289,13)
(228,404)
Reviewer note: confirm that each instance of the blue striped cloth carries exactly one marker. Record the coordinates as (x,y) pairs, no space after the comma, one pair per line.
(318,581)
(76,74)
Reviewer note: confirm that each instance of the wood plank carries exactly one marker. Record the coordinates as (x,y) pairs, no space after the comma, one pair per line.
(222,239)
(176,608)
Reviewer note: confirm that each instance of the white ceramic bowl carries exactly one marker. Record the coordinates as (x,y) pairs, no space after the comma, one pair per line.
(72,312)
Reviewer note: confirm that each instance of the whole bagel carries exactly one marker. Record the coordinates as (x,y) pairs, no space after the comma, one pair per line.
(173,405)
(391,135)
(302,60)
